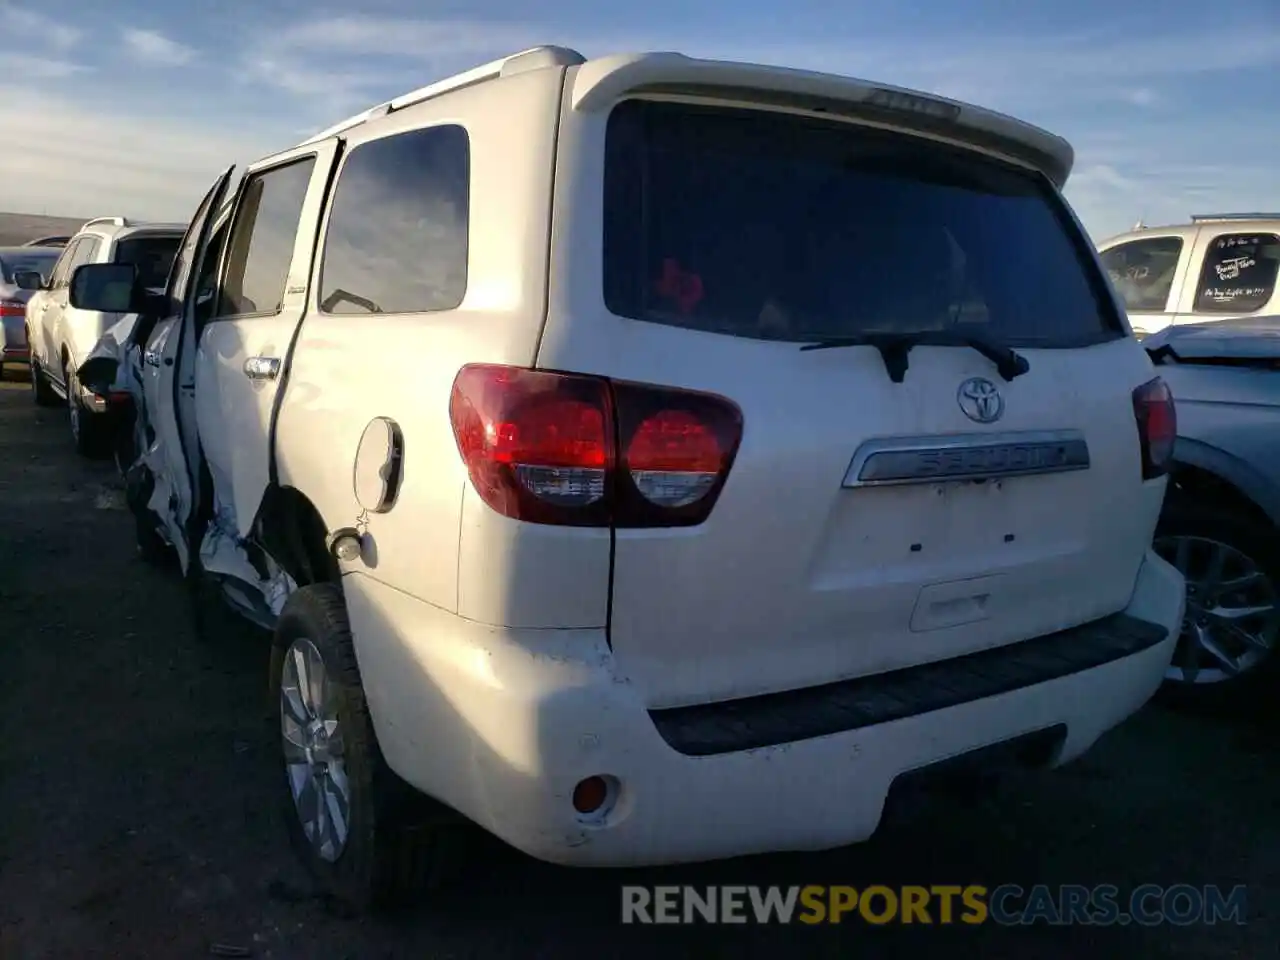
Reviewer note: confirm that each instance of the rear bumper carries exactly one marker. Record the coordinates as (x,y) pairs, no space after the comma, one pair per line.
(501,725)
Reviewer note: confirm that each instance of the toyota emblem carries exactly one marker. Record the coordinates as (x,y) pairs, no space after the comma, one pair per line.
(980,400)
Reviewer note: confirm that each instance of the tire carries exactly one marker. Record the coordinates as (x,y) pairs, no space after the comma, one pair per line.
(1248,544)
(152,548)
(391,849)
(42,394)
(87,432)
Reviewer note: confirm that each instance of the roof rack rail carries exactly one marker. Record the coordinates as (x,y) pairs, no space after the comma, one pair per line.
(531,59)
(1202,217)
(113,221)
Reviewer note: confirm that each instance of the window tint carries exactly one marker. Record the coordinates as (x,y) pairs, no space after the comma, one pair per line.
(1239,273)
(153,256)
(397,237)
(262,238)
(774,227)
(1142,271)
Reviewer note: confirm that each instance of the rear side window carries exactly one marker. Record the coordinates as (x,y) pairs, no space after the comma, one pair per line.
(777,227)
(153,256)
(1239,273)
(1142,271)
(262,239)
(397,237)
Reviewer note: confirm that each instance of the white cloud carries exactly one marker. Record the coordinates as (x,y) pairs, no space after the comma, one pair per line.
(22,66)
(120,163)
(26,24)
(152,46)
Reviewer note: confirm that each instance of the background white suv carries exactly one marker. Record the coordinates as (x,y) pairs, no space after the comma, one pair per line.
(61,336)
(655,459)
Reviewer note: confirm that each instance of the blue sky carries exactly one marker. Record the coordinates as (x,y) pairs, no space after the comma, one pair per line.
(134,106)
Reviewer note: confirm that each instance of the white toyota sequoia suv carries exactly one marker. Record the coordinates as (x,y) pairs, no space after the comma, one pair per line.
(653,459)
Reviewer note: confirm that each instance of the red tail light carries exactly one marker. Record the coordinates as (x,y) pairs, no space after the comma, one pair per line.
(585,451)
(1157,426)
(12,308)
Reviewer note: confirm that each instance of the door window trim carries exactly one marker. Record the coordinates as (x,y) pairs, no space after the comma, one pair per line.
(237,204)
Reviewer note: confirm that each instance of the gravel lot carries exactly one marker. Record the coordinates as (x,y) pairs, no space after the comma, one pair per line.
(137,785)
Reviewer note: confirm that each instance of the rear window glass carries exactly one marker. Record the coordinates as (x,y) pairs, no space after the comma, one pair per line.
(778,227)
(153,256)
(1239,273)
(41,263)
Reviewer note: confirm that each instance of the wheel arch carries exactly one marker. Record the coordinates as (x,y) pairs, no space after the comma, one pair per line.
(293,531)
(1210,474)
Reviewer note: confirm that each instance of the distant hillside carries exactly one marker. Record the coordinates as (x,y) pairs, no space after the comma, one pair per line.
(17,228)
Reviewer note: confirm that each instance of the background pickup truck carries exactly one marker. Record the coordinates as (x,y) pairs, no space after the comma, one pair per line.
(1215,267)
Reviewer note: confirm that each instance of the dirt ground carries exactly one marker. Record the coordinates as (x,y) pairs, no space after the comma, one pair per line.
(140,808)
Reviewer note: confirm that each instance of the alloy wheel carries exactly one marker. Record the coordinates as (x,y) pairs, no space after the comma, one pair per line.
(314,757)
(1232,614)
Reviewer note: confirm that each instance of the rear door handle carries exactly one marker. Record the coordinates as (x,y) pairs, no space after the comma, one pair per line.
(262,368)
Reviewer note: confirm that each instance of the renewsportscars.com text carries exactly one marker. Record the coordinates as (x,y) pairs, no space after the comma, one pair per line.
(1005,905)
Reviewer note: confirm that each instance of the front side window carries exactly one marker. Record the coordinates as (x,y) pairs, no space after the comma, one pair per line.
(85,251)
(1142,271)
(1239,273)
(771,226)
(66,263)
(397,236)
(262,240)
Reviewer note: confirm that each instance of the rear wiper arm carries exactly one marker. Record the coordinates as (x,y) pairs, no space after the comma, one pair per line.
(894,350)
(1009,363)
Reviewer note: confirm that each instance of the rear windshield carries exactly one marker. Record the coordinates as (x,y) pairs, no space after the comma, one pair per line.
(779,227)
(38,262)
(153,256)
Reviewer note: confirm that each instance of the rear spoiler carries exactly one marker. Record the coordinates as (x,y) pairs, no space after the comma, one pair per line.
(598,84)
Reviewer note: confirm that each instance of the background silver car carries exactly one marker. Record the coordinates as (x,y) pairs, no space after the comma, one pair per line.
(1221,520)
(13,301)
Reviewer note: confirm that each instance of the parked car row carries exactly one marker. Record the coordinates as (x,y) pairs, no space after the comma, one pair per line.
(650,459)
(61,336)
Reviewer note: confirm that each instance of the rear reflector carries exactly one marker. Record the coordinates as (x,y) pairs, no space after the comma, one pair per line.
(1157,426)
(12,308)
(578,450)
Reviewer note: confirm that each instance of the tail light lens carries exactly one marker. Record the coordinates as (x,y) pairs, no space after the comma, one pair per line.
(576,450)
(1157,426)
(12,308)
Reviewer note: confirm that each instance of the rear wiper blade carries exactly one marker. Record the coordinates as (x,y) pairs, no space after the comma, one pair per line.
(895,347)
